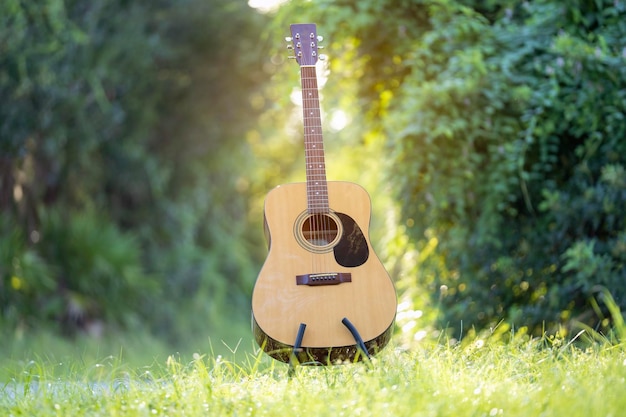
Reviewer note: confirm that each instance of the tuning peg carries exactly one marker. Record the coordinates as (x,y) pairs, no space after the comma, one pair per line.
(322,57)
(288,39)
(320,38)
(289,46)
(291,57)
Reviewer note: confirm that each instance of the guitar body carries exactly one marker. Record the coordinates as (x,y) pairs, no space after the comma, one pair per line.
(320,280)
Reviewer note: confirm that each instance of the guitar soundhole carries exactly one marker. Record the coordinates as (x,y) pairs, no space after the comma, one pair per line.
(318,232)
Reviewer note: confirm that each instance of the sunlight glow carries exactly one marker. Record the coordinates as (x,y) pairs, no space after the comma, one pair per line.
(266,6)
(338,120)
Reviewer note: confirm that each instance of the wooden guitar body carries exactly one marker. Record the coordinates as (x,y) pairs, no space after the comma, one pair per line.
(281,301)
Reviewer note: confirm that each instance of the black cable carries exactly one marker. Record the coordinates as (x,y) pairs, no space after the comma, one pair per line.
(359,341)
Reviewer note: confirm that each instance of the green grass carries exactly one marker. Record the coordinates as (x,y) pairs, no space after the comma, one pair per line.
(484,377)
(133,349)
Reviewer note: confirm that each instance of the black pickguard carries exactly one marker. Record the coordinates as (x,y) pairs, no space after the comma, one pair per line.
(352,249)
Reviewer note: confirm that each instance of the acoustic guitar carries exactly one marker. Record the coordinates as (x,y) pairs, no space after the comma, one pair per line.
(322,295)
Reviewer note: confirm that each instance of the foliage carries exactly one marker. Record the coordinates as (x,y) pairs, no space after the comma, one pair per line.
(78,282)
(479,377)
(121,159)
(504,129)
(535,237)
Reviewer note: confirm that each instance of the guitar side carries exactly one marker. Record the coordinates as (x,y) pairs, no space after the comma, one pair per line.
(280,304)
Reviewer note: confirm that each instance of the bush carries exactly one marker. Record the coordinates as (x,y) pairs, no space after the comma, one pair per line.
(121,157)
(511,151)
(80,273)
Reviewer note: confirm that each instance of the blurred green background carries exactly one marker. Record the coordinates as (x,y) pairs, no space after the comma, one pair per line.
(138,139)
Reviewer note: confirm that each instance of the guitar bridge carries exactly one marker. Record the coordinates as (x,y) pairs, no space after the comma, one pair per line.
(332,278)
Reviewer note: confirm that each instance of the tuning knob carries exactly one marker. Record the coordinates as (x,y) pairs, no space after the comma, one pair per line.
(288,39)
(320,38)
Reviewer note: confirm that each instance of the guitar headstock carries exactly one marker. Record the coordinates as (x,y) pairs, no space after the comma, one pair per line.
(304,42)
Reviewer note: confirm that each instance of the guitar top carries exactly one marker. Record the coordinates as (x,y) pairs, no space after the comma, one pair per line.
(322,296)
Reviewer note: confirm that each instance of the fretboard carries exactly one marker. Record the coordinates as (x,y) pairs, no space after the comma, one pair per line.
(317,190)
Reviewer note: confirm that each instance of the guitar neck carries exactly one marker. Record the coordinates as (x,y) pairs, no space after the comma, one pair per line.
(317,189)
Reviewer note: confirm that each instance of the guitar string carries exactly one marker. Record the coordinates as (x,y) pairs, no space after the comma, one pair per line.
(315,159)
(309,154)
(319,222)
(321,217)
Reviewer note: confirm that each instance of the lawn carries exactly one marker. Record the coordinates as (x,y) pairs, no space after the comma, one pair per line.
(582,376)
